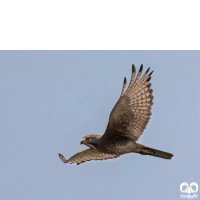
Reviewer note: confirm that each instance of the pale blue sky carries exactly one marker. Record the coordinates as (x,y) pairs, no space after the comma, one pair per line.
(51,99)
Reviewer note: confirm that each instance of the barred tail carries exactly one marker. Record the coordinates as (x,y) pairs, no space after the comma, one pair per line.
(155,152)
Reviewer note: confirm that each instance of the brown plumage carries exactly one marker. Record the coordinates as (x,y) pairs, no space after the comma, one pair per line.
(127,121)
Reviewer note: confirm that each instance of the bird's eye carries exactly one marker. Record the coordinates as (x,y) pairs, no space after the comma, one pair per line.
(90,139)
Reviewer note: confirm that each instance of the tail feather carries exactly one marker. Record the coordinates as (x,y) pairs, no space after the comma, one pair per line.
(155,152)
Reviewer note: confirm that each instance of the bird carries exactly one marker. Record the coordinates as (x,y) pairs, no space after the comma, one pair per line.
(127,121)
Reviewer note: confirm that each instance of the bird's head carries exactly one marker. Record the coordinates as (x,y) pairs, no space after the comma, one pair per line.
(91,140)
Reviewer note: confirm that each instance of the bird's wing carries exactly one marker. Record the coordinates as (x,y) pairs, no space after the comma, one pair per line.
(87,155)
(132,111)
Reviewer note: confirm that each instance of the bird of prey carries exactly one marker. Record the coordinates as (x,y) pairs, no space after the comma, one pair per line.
(127,121)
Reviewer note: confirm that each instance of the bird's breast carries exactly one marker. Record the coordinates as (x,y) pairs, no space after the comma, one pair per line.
(118,146)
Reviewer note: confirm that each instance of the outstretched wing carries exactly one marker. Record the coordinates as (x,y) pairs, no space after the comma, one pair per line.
(87,155)
(132,111)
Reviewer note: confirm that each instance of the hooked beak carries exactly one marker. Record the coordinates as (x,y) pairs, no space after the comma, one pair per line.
(83,141)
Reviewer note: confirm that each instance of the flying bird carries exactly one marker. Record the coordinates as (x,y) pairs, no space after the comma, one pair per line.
(127,121)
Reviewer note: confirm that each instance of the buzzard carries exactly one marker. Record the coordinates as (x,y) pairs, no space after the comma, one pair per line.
(127,121)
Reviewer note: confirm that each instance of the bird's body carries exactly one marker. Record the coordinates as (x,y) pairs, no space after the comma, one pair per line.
(117,146)
(127,121)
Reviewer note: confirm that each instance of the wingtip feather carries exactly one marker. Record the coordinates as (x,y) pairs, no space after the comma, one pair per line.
(124,80)
(62,158)
(141,68)
(133,68)
(148,79)
(148,70)
(151,73)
